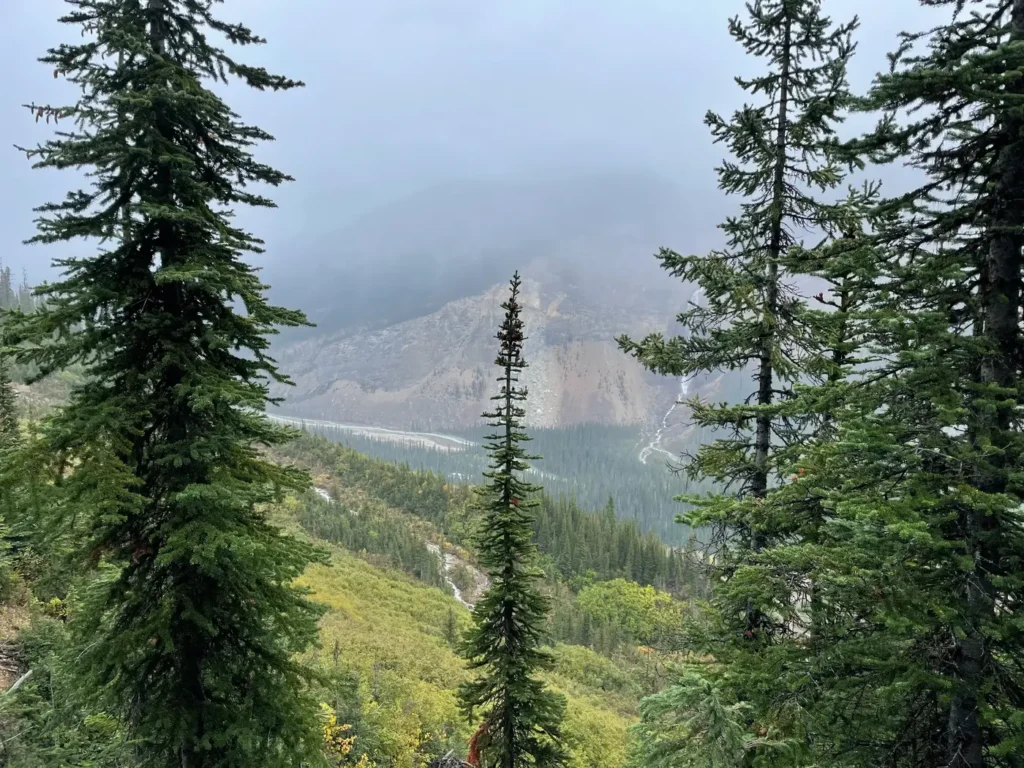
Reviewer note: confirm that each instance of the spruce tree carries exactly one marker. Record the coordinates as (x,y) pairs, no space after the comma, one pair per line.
(750,317)
(837,678)
(520,716)
(786,161)
(944,430)
(843,320)
(191,631)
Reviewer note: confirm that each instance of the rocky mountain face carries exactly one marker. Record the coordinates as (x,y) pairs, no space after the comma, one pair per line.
(436,371)
(407,301)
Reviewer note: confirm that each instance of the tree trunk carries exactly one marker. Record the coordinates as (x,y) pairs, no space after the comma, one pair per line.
(998,324)
(763,422)
(763,432)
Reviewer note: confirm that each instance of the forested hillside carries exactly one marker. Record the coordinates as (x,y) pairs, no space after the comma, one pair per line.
(398,696)
(580,545)
(616,599)
(831,578)
(395,699)
(587,464)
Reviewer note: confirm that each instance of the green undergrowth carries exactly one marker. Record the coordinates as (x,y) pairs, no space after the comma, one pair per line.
(396,673)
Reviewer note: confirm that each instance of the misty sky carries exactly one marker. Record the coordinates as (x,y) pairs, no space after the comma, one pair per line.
(405,93)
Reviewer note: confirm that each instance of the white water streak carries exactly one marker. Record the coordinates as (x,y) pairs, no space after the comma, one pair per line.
(423,439)
(448,563)
(654,446)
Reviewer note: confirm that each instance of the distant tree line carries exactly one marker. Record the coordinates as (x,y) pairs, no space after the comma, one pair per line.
(576,544)
(13,295)
(375,531)
(585,463)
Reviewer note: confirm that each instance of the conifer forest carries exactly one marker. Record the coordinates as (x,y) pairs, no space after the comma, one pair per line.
(481,477)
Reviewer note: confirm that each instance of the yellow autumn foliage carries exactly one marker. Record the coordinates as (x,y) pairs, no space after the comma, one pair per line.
(337,743)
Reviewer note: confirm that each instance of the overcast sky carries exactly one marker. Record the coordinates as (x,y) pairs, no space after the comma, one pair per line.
(404,93)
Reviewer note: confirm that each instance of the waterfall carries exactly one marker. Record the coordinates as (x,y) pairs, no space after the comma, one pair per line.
(654,446)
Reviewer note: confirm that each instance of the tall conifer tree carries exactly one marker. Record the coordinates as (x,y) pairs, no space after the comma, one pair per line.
(193,636)
(521,718)
(786,158)
(945,430)
(785,150)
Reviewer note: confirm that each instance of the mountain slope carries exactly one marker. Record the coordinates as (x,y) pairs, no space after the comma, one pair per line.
(410,257)
(435,372)
(407,300)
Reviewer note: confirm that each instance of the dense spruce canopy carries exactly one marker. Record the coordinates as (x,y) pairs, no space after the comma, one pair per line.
(192,634)
(749,316)
(944,428)
(521,719)
(897,585)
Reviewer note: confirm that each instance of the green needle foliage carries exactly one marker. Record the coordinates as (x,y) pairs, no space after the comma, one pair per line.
(750,317)
(758,627)
(191,631)
(10,441)
(9,428)
(942,446)
(522,719)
